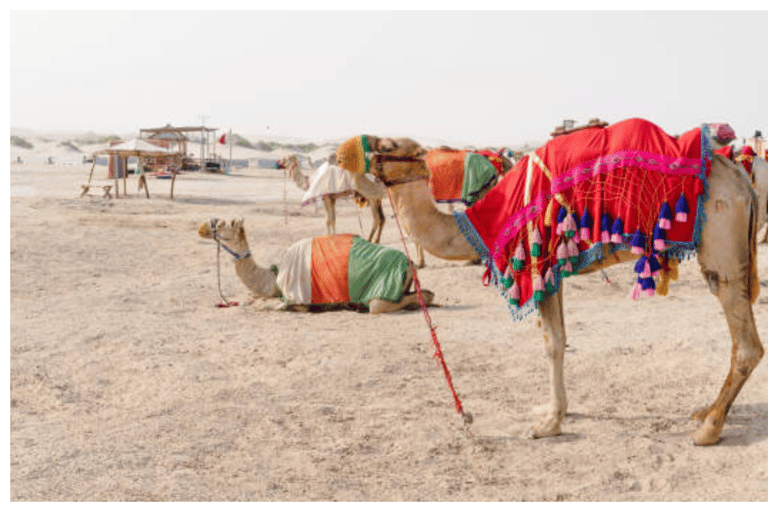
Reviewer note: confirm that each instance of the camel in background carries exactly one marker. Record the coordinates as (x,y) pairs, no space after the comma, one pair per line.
(364,191)
(312,276)
(727,255)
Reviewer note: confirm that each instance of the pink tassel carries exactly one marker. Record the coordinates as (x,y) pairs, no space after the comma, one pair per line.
(636,291)
(665,224)
(659,244)
(646,271)
(617,239)
(681,217)
(637,250)
(514,292)
(560,228)
(549,277)
(567,267)
(573,249)
(650,292)
(536,237)
(538,283)
(562,252)
(520,252)
(585,233)
(605,237)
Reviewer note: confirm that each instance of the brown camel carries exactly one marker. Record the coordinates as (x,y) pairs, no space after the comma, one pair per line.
(727,254)
(365,192)
(381,281)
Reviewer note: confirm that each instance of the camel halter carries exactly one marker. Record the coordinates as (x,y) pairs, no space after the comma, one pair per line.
(236,256)
(377,160)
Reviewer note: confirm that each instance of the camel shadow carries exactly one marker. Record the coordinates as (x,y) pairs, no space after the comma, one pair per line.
(745,425)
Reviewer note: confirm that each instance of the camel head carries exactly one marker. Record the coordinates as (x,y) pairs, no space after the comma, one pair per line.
(232,234)
(392,161)
(720,135)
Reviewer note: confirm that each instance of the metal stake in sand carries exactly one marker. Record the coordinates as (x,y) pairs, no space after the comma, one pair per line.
(465,415)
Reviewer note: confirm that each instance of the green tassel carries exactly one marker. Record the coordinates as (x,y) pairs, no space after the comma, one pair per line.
(506,282)
(515,302)
(517,264)
(536,250)
(538,295)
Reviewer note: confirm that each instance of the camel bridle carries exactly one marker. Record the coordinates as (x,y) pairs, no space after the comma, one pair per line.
(377,167)
(215,235)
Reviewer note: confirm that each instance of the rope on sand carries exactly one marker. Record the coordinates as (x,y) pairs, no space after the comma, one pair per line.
(466,415)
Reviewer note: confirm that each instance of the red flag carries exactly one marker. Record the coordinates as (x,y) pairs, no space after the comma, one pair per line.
(223,139)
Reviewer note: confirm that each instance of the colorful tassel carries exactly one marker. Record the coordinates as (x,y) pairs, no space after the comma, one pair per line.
(561,216)
(605,228)
(538,288)
(567,269)
(586,226)
(549,280)
(659,236)
(655,265)
(648,286)
(536,242)
(617,235)
(573,252)
(640,265)
(637,289)
(570,225)
(665,217)
(638,242)
(506,281)
(561,253)
(518,261)
(514,295)
(681,209)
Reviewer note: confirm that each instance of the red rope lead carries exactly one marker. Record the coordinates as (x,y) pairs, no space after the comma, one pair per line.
(438,351)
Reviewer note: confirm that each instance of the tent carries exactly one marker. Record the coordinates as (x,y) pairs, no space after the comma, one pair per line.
(138,148)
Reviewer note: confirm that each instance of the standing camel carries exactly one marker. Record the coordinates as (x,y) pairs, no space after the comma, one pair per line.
(323,273)
(328,185)
(726,247)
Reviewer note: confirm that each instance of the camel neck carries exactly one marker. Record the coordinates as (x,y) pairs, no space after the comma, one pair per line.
(262,282)
(435,231)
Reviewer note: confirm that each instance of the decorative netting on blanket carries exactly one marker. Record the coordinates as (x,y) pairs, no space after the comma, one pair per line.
(589,194)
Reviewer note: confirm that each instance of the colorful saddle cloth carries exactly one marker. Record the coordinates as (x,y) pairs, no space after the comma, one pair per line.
(341,269)
(495,158)
(627,186)
(328,180)
(458,176)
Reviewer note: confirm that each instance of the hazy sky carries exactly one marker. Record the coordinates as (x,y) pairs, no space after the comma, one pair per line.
(495,78)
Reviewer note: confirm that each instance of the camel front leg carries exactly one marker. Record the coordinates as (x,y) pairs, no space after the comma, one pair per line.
(419,256)
(378,220)
(746,353)
(553,329)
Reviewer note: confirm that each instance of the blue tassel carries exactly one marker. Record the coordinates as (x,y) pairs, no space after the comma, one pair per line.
(640,265)
(659,237)
(638,243)
(561,214)
(681,209)
(655,265)
(605,228)
(586,226)
(665,217)
(617,231)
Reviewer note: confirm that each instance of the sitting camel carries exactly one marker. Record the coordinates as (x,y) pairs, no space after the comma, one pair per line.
(328,185)
(726,248)
(323,273)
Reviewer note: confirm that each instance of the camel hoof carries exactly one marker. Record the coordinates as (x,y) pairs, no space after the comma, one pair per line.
(547,428)
(428,297)
(707,435)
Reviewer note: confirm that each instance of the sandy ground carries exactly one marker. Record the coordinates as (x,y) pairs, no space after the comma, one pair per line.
(127,383)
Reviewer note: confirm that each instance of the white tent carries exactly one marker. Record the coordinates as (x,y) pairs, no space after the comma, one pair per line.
(138,148)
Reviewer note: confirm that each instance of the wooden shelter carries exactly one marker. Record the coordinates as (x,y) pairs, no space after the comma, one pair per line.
(140,149)
(175,137)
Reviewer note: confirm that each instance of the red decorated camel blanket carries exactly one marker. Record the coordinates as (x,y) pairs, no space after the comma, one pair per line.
(630,186)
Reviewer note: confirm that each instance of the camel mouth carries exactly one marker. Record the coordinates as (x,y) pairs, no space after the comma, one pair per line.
(204,230)
(351,155)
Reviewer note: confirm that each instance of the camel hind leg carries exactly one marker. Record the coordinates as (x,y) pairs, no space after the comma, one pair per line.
(727,257)
(409,300)
(553,328)
(330,214)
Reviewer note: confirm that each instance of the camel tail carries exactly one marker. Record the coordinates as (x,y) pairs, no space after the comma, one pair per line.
(754,282)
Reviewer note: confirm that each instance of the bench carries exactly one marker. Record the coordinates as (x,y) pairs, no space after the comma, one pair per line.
(107,189)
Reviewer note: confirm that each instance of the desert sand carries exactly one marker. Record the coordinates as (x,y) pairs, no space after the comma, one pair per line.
(127,383)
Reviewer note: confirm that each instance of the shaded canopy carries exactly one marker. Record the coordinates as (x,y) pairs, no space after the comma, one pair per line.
(135,147)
